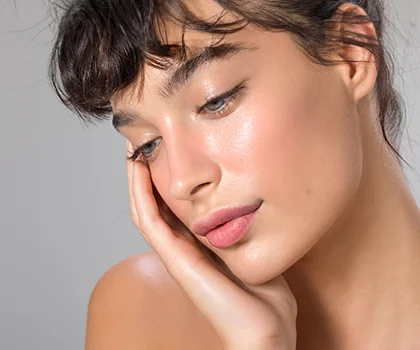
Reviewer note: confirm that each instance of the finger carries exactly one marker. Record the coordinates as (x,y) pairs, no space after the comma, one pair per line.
(218,298)
(168,216)
(147,211)
(278,294)
(276,291)
(129,167)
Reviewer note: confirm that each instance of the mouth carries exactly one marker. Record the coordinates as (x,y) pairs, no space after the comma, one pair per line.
(226,226)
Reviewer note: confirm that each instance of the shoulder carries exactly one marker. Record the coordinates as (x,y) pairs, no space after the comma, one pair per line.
(136,304)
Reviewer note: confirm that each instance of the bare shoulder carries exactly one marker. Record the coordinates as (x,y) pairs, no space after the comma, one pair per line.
(137,305)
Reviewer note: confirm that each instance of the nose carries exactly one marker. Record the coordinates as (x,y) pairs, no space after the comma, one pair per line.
(194,171)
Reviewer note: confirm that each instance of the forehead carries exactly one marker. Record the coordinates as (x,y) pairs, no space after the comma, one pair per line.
(208,11)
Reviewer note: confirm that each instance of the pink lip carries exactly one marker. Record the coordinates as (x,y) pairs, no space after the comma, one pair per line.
(231,232)
(203,226)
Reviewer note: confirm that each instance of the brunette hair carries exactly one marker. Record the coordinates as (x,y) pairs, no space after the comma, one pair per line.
(102,46)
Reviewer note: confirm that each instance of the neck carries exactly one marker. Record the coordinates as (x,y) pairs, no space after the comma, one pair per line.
(358,287)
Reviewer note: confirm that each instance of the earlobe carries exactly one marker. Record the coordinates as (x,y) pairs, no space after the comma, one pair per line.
(358,69)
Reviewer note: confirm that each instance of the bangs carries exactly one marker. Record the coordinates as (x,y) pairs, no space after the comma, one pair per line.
(102,48)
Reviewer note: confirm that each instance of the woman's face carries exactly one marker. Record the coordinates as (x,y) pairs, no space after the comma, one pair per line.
(289,138)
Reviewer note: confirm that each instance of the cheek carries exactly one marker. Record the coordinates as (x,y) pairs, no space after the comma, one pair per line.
(160,178)
(305,161)
(307,158)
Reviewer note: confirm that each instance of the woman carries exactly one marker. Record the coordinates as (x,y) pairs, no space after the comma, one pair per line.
(263,170)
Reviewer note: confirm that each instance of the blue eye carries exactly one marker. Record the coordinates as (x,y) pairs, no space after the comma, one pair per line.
(215,105)
(145,151)
(221,103)
(146,148)
(149,148)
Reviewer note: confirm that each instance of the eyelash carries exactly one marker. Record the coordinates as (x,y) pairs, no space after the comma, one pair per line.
(231,94)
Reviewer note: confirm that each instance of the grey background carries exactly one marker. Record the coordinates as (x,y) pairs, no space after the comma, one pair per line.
(63,195)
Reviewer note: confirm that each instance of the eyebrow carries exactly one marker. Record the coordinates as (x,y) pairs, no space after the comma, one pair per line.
(183,74)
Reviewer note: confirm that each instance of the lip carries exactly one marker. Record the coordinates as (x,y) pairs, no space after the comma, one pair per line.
(231,232)
(203,226)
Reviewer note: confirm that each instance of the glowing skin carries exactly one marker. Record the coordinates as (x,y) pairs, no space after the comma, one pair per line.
(337,216)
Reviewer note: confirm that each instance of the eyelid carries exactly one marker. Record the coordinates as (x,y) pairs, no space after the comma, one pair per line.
(138,151)
(230,92)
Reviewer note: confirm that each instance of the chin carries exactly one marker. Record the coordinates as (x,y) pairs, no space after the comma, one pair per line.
(259,261)
(255,265)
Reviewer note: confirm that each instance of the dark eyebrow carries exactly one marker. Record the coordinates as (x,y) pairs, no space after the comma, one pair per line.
(124,118)
(206,56)
(183,73)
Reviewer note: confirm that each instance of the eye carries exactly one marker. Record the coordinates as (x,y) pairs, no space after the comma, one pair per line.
(217,105)
(213,106)
(147,151)
(148,148)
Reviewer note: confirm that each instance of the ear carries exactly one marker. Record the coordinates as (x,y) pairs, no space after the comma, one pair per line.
(359,71)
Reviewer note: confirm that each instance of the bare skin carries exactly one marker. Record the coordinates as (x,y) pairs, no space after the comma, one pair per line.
(138,305)
(339,222)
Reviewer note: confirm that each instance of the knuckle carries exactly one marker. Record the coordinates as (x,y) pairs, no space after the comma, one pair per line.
(200,261)
(153,219)
(291,307)
(177,257)
(175,252)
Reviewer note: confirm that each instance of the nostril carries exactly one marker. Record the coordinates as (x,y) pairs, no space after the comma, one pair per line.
(199,186)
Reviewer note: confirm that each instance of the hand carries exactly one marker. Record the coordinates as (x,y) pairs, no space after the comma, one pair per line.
(244,316)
